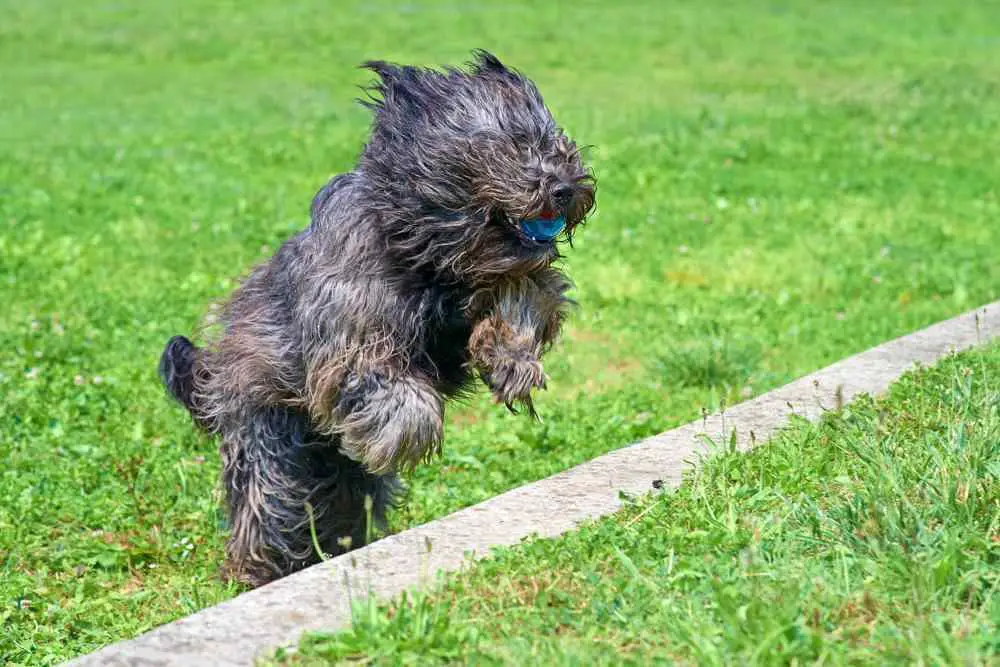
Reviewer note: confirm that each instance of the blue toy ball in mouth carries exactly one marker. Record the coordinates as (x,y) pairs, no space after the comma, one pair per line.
(543,229)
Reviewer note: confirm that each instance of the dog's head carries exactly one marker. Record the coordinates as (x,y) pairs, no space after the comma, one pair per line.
(484,180)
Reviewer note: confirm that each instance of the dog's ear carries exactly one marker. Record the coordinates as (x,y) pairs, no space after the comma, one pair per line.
(487,62)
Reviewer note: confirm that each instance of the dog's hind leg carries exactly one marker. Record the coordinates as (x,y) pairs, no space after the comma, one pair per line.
(273,466)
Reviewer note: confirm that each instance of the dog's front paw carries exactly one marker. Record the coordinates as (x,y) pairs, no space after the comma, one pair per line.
(392,425)
(512,379)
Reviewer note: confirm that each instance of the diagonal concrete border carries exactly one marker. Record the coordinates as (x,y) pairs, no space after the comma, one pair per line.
(250,625)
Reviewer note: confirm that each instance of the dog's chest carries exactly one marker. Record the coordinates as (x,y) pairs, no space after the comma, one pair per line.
(446,337)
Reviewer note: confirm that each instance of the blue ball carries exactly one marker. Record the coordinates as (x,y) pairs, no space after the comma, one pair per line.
(543,229)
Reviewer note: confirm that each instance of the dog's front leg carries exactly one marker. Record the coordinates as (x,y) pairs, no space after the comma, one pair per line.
(388,420)
(520,320)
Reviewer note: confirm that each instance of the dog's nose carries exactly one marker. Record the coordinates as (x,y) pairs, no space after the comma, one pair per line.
(562,194)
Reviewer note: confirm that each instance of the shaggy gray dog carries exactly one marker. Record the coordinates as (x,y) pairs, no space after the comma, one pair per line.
(428,264)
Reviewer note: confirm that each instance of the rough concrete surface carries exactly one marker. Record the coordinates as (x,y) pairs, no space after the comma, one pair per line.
(254,623)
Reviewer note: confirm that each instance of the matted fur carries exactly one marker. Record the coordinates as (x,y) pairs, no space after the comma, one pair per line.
(337,355)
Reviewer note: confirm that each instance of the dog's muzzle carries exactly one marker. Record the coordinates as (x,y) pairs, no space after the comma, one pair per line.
(552,219)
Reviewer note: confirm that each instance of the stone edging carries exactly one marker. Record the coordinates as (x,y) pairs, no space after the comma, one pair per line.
(239,630)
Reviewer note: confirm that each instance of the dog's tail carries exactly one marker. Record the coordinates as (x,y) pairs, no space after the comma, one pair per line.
(179,368)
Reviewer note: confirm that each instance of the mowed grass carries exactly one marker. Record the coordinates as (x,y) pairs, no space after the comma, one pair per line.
(872,538)
(780,185)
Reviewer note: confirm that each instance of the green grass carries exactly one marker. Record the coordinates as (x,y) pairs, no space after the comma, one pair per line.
(870,538)
(781,184)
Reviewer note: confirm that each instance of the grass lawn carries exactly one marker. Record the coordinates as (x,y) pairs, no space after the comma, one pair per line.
(870,538)
(780,185)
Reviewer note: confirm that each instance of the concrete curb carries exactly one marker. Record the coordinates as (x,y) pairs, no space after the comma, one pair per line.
(238,631)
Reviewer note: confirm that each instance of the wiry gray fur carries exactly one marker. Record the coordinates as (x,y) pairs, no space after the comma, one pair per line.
(338,353)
